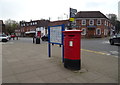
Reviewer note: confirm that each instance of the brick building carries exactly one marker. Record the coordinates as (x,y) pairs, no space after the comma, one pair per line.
(2,27)
(29,28)
(93,24)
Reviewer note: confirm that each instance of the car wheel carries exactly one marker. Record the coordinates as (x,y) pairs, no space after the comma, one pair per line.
(42,39)
(111,42)
(4,40)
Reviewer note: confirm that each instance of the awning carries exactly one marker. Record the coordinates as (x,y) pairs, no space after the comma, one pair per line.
(28,32)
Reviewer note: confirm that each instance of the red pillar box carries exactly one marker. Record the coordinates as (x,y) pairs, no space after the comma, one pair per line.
(72,45)
(39,34)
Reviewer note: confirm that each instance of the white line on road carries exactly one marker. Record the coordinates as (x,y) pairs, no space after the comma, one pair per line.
(97,52)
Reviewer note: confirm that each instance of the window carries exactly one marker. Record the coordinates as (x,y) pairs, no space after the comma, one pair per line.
(35,23)
(105,31)
(91,22)
(31,23)
(27,24)
(83,31)
(21,25)
(83,22)
(98,31)
(98,22)
(105,22)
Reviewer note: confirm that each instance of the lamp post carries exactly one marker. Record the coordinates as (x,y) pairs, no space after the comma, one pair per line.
(66,15)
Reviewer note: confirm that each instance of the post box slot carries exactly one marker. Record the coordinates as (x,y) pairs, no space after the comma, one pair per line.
(71,35)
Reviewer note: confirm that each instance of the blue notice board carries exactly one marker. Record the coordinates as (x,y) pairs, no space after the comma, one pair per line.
(55,36)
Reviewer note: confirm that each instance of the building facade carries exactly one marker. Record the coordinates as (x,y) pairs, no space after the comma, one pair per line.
(29,28)
(93,24)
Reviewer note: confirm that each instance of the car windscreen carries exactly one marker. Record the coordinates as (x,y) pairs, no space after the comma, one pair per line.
(2,35)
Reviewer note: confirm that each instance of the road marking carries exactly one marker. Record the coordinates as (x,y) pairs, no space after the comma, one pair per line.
(105,42)
(97,52)
(114,52)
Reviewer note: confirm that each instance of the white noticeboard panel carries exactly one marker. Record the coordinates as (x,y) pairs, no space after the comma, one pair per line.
(56,34)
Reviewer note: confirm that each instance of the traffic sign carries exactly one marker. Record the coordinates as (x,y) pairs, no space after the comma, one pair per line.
(72,19)
(72,12)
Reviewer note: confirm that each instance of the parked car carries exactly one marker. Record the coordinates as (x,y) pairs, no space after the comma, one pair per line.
(12,36)
(115,39)
(45,38)
(3,38)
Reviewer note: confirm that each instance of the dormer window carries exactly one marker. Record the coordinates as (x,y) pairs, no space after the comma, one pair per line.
(91,22)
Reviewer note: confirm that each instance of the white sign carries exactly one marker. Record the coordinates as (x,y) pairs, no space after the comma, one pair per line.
(56,34)
(71,43)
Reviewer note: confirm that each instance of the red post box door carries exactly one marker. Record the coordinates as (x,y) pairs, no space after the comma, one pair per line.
(72,48)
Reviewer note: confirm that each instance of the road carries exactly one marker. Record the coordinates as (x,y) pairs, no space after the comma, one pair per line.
(101,45)
(96,45)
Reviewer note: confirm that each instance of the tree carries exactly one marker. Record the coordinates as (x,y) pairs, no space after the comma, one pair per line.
(113,18)
(117,26)
(11,25)
(115,22)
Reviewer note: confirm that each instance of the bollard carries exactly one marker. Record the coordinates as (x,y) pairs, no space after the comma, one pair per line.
(33,40)
(37,40)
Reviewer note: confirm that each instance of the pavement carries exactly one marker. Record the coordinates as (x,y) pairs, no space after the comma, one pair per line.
(29,63)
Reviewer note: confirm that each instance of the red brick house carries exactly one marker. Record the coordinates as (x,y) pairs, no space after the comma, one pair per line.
(31,26)
(93,24)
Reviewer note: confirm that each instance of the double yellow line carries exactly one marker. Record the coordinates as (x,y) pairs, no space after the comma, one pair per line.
(97,52)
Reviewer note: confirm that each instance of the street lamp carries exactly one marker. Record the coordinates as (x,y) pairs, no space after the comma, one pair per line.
(66,15)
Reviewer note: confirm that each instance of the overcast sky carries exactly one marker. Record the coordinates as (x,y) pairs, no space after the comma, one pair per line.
(43,9)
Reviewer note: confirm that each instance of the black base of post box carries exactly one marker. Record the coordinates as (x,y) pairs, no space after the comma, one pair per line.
(72,64)
(37,40)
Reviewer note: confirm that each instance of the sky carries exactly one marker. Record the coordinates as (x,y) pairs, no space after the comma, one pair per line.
(27,10)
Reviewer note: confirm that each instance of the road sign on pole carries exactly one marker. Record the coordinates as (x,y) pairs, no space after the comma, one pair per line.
(72,18)
(72,12)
